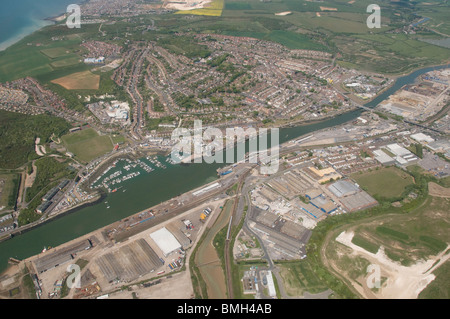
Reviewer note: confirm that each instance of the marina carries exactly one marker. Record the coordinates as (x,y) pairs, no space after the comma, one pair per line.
(124,169)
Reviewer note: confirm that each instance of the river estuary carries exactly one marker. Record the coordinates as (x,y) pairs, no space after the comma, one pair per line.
(147,190)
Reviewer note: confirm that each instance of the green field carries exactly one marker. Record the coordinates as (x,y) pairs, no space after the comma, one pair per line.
(87,145)
(9,185)
(67,61)
(55,52)
(439,288)
(363,243)
(38,56)
(389,182)
(408,238)
(299,277)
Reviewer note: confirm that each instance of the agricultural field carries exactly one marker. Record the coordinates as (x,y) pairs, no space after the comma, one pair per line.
(85,80)
(389,182)
(87,144)
(340,26)
(68,61)
(37,55)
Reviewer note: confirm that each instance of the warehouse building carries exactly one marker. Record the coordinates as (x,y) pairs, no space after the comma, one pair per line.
(63,184)
(440,146)
(50,194)
(343,188)
(324,204)
(422,138)
(61,256)
(313,193)
(176,228)
(403,157)
(383,158)
(43,207)
(166,241)
(358,201)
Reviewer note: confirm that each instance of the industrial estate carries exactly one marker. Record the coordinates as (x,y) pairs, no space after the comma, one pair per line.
(89,188)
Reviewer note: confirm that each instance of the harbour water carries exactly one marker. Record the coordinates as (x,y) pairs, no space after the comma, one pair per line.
(146,190)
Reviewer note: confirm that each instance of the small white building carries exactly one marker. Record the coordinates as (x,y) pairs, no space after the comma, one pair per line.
(271,284)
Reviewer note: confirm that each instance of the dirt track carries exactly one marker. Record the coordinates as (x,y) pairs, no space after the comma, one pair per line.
(437,190)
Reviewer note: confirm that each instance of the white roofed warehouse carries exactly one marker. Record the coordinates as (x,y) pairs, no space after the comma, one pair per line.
(166,241)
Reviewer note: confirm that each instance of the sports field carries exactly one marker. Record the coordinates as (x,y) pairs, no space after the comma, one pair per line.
(87,145)
(386,182)
(79,81)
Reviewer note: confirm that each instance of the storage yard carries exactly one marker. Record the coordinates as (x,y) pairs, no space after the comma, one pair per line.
(129,262)
(144,259)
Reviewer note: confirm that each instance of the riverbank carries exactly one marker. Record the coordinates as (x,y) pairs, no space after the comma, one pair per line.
(23,229)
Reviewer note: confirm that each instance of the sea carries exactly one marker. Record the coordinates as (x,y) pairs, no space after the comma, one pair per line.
(19,18)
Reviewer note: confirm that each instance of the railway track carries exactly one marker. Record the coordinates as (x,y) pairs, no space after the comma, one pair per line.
(228,257)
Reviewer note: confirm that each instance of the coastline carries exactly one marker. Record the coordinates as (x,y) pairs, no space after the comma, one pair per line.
(57,18)
(22,35)
(37,24)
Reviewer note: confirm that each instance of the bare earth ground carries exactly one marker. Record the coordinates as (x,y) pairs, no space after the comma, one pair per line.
(187,5)
(437,190)
(402,282)
(79,81)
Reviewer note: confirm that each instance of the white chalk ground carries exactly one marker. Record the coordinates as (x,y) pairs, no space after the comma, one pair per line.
(403,282)
(285,13)
(187,4)
(40,149)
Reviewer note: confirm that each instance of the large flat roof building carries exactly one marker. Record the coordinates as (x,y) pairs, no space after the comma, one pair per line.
(166,241)
(383,158)
(420,137)
(343,188)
